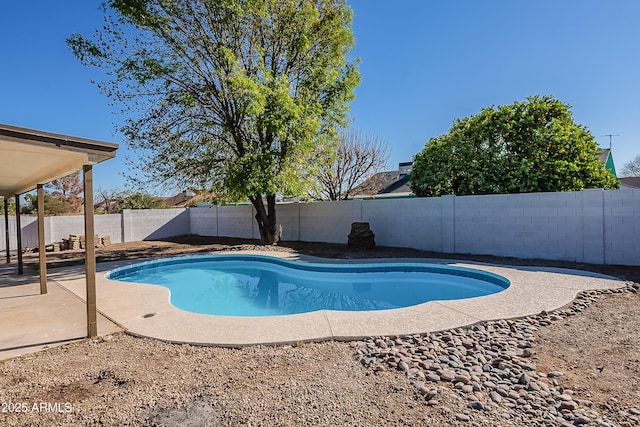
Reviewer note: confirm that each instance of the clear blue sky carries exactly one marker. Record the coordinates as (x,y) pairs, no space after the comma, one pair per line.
(424,63)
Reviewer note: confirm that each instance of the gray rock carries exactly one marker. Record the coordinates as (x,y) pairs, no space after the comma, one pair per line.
(495,396)
(432,377)
(428,393)
(462,417)
(476,404)
(582,419)
(490,384)
(461,379)
(447,375)
(533,386)
(568,404)
(467,388)
(523,379)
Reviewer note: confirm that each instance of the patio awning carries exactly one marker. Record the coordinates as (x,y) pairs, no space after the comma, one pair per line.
(29,159)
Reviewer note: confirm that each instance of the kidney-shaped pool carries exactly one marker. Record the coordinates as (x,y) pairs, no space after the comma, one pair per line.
(254,285)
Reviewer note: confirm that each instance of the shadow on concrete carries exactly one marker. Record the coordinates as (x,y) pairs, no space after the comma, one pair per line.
(42,344)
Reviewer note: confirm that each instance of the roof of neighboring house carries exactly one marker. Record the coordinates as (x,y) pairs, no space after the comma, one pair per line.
(604,155)
(181,199)
(632,181)
(383,183)
(606,159)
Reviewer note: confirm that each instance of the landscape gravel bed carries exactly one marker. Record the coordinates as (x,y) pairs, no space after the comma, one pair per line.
(490,367)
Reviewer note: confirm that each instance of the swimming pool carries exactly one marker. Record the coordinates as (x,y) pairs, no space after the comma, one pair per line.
(254,285)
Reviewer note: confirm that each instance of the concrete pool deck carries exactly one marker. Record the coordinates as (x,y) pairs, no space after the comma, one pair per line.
(30,322)
(145,310)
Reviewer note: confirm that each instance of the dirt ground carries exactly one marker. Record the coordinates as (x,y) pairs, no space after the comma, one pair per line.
(149,382)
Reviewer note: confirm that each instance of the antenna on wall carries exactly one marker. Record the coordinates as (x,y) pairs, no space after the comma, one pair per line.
(610,135)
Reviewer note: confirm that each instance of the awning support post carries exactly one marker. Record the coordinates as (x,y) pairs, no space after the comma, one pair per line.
(90,252)
(42,253)
(19,235)
(6,229)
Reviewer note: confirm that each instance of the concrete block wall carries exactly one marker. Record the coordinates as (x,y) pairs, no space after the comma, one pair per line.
(236,221)
(622,227)
(593,220)
(592,226)
(147,224)
(288,216)
(328,221)
(59,227)
(415,222)
(29,232)
(538,225)
(204,221)
(25,223)
(108,225)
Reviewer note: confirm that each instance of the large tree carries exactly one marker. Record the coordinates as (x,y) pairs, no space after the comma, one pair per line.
(11,205)
(233,96)
(357,157)
(530,146)
(52,205)
(68,189)
(631,168)
(139,200)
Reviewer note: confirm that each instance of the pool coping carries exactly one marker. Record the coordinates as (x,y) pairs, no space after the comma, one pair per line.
(145,310)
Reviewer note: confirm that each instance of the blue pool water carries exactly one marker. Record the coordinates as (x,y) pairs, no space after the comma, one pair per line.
(253,285)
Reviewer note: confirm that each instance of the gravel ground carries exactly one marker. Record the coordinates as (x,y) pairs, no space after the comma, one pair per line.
(579,365)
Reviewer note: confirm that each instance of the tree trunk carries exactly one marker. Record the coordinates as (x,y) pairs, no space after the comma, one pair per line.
(266,218)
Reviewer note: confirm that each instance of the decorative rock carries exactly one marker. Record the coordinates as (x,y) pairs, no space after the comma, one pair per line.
(428,393)
(432,377)
(490,384)
(467,388)
(582,419)
(476,404)
(361,237)
(462,417)
(568,404)
(447,375)
(461,379)
(523,379)
(533,386)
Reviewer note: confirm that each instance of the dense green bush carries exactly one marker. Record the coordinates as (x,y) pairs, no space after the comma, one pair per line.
(531,146)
